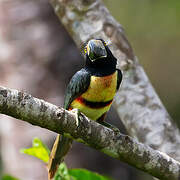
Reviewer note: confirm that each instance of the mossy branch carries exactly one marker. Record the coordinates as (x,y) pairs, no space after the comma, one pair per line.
(25,107)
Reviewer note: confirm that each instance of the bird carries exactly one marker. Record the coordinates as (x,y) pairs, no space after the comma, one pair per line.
(91,90)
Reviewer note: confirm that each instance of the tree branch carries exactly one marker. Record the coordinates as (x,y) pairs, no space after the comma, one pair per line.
(137,104)
(40,113)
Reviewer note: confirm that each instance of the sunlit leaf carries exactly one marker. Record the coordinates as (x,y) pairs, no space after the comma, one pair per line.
(38,150)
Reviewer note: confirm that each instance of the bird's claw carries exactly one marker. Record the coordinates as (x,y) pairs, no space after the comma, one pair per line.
(77,114)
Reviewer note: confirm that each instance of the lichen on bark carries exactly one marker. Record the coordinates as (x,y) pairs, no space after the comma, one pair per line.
(40,113)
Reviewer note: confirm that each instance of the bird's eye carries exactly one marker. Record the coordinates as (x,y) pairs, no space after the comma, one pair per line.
(105,44)
(83,48)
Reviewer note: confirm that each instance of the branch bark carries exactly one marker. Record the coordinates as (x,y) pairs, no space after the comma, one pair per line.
(40,113)
(137,104)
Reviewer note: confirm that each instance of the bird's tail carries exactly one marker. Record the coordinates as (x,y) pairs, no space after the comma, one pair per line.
(59,150)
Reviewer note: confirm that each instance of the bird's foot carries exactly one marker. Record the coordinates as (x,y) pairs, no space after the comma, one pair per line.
(77,114)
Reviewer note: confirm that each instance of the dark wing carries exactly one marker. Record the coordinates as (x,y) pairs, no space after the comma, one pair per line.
(77,85)
(119,78)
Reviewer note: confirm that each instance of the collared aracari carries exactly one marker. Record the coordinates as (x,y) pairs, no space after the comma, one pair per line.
(91,90)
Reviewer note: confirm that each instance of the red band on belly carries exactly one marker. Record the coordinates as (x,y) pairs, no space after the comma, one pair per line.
(92,104)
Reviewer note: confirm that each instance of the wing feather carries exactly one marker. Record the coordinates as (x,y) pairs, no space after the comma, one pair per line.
(77,85)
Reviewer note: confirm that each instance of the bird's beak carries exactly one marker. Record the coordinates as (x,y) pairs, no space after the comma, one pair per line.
(96,49)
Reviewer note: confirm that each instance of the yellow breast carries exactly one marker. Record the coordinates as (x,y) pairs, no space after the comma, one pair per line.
(101,89)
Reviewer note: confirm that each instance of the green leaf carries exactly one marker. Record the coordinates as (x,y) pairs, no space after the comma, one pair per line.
(38,150)
(7,177)
(62,173)
(83,174)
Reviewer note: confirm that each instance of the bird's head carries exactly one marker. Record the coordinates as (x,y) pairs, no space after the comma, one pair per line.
(96,49)
(98,55)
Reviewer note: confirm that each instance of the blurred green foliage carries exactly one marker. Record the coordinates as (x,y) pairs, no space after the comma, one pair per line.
(8,177)
(38,150)
(147,18)
(153,29)
(64,173)
(81,174)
